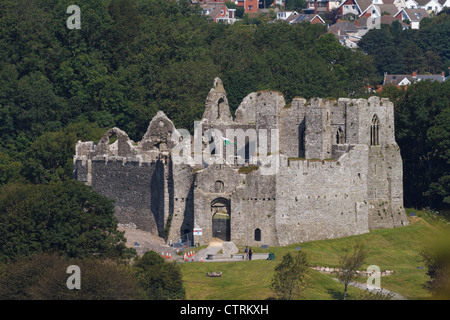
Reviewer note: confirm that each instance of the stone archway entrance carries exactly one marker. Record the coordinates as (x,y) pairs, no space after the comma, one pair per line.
(221,219)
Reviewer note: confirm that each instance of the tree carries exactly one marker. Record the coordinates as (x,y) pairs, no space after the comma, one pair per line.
(65,217)
(50,157)
(349,263)
(422,133)
(291,276)
(160,280)
(44,276)
(437,261)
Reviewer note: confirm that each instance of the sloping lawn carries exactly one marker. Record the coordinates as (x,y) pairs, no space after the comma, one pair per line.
(395,249)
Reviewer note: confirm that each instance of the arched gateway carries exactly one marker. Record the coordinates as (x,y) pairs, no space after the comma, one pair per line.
(221,218)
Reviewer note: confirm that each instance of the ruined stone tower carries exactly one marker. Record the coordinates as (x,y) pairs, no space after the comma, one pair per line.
(275,174)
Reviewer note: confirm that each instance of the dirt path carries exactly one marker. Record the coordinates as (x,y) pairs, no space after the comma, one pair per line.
(143,241)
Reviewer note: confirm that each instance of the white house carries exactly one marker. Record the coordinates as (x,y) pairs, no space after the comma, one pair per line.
(414,16)
(355,7)
(444,3)
(429,5)
(400,4)
(377,10)
(284,15)
(411,4)
(333,4)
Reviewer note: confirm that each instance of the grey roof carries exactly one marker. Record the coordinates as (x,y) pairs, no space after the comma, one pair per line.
(389,8)
(363,4)
(416,14)
(344,27)
(292,17)
(397,78)
(387,19)
(422,2)
(215,9)
(390,19)
(305,18)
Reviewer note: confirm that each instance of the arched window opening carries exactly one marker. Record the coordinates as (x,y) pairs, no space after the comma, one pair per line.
(218,186)
(340,138)
(218,107)
(375,131)
(257,234)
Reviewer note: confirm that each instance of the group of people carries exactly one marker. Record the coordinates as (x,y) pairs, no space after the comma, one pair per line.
(249,253)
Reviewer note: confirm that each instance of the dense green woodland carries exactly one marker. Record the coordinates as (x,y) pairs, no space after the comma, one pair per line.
(133,58)
(398,51)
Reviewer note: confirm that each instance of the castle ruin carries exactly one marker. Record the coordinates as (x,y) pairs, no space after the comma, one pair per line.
(276,174)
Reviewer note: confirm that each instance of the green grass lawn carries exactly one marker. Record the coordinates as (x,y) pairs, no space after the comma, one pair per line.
(395,249)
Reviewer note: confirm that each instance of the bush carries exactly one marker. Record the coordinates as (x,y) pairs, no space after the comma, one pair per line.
(158,279)
(246,170)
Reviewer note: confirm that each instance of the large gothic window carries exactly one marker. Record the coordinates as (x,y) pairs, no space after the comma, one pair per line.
(375,131)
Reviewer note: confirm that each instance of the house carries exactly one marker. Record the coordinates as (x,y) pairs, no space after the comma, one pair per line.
(333,4)
(365,23)
(444,3)
(285,15)
(378,10)
(429,5)
(346,32)
(411,4)
(250,6)
(219,13)
(353,7)
(321,6)
(400,4)
(414,16)
(311,18)
(407,79)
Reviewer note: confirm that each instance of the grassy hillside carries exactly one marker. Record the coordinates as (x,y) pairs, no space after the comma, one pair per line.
(391,249)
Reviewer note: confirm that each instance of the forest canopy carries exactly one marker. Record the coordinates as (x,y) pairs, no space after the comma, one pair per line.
(133,58)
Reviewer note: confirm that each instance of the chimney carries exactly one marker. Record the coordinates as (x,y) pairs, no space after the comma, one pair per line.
(414,74)
(315,6)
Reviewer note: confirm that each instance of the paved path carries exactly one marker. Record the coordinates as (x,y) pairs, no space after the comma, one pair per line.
(363,286)
(213,248)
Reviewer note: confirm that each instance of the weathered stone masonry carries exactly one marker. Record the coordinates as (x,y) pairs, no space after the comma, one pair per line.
(338,172)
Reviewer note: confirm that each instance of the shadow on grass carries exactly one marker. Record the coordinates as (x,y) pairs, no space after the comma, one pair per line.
(336,295)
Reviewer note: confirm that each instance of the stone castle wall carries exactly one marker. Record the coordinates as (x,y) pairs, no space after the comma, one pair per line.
(330,180)
(322,199)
